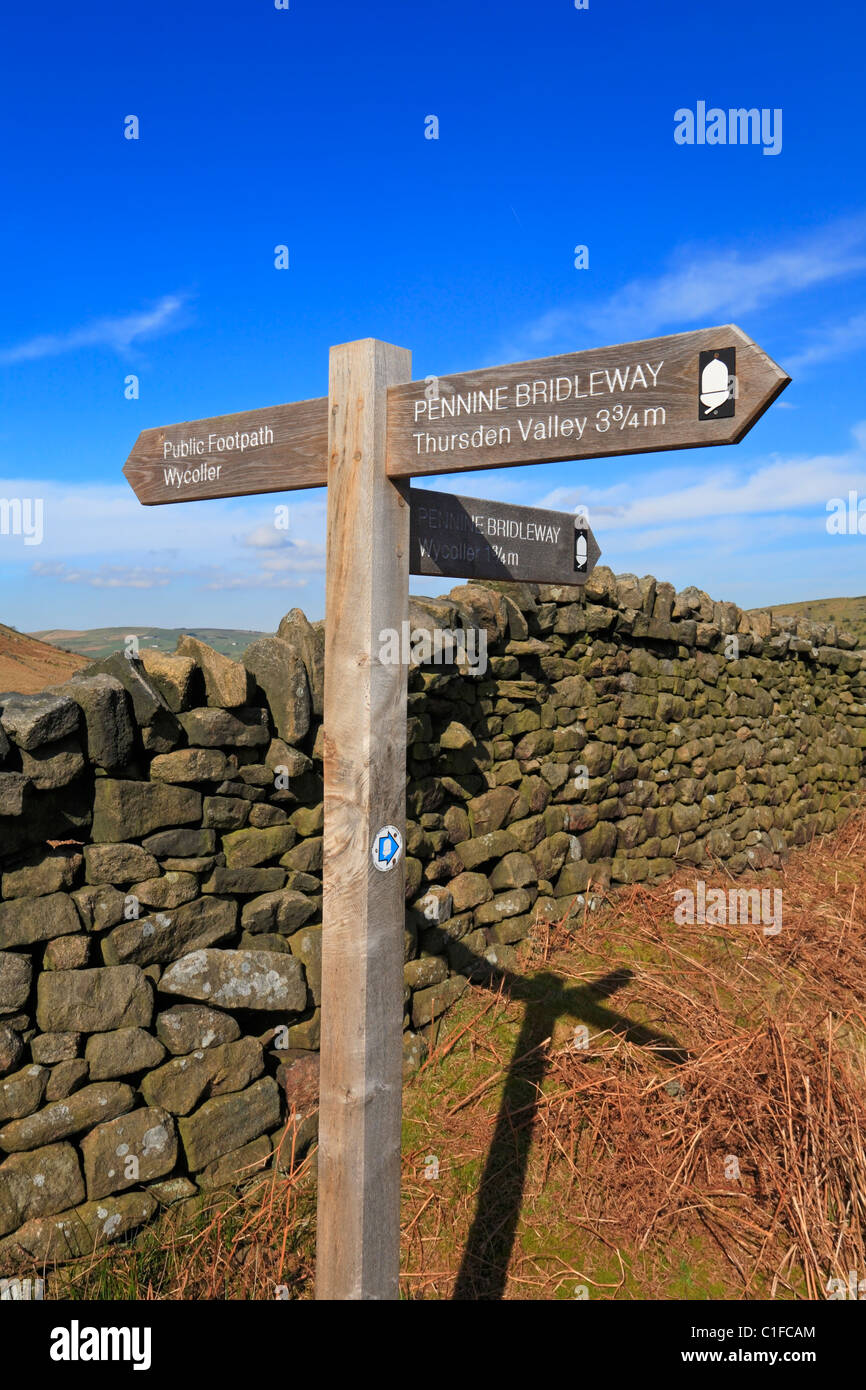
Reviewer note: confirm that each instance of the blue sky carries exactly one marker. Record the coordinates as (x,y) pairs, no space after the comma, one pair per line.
(306,127)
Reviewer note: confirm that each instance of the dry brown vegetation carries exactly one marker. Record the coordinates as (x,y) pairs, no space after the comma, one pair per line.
(703,1138)
(726,1052)
(28,665)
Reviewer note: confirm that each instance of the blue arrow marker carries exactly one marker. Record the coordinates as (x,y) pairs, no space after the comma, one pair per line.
(388,847)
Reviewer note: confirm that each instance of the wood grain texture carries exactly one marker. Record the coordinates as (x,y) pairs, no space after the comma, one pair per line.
(523,425)
(163,464)
(367,590)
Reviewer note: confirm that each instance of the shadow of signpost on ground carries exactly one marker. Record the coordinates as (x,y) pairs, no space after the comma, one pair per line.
(484,1267)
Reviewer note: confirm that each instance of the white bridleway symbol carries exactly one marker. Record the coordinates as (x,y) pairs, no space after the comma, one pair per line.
(387,848)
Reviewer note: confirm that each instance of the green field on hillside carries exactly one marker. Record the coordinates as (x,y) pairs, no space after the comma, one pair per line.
(849,614)
(102,641)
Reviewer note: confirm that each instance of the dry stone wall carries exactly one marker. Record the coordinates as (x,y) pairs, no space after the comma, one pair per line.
(161,858)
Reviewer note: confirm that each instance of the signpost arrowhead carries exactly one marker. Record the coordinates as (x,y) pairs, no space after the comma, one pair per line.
(678,392)
(466,537)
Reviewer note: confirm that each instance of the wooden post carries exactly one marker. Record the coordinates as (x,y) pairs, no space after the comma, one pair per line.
(367,590)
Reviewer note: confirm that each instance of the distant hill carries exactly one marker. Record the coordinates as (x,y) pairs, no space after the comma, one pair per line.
(27,665)
(97,642)
(849,614)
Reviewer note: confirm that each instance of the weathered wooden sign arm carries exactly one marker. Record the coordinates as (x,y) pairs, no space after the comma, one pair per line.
(467,537)
(278,449)
(635,398)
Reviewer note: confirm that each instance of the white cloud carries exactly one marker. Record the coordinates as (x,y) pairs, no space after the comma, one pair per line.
(266,537)
(107,576)
(274,572)
(833,341)
(671,502)
(226,582)
(100,537)
(107,521)
(119,334)
(702,284)
(303,557)
(292,567)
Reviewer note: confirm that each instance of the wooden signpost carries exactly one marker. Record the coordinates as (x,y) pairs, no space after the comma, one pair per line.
(374,431)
